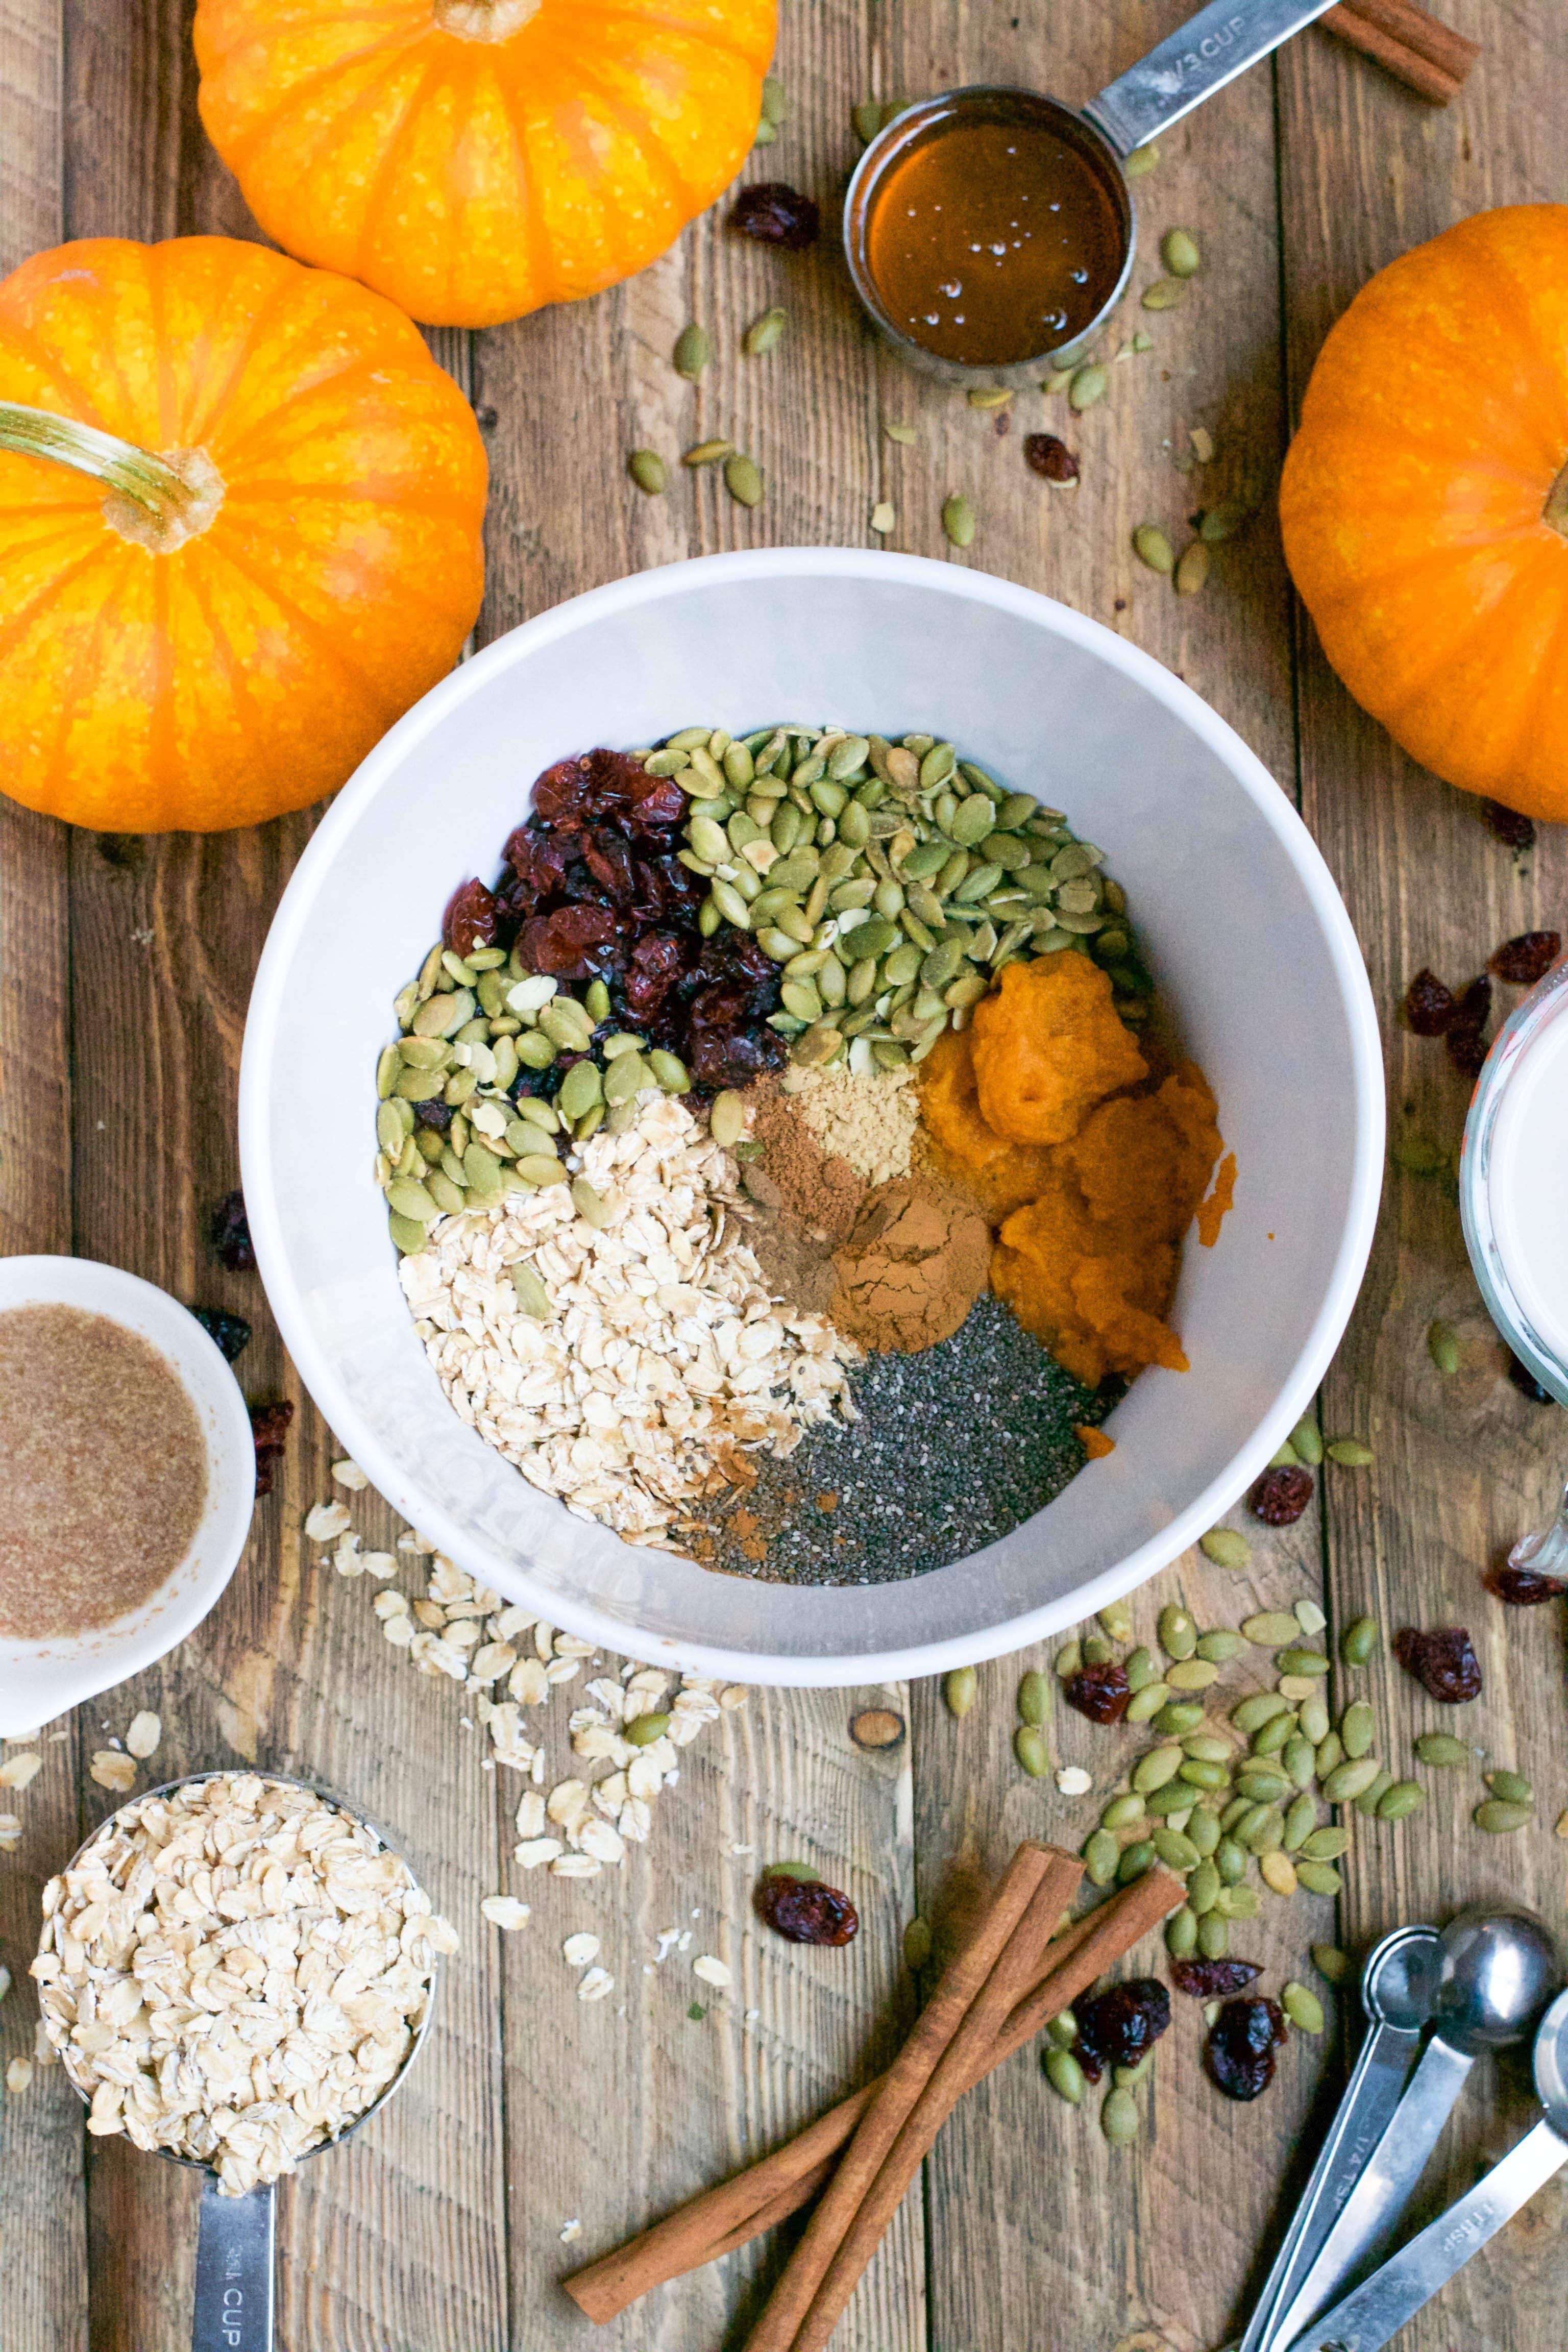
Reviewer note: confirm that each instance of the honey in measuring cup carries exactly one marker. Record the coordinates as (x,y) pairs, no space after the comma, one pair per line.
(992,229)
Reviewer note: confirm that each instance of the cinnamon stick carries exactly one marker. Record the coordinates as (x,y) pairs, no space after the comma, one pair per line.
(966,2058)
(723,2218)
(1429,57)
(896,2096)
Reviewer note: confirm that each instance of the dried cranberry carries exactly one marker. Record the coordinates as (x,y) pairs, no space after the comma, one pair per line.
(231,1332)
(609,861)
(1516,831)
(1050,457)
(270,1429)
(1212,1979)
(568,944)
(807,1911)
(1463,1038)
(228,1229)
(1281,1495)
(776,215)
(1099,1692)
(1527,1384)
(1523,960)
(1443,1662)
(1239,2052)
(471,919)
(1522,1588)
(657,964)
(1428,1005)
(434,1113)
(1116,2028)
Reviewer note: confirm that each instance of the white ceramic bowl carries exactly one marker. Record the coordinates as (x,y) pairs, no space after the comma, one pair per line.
(1236,912)
(39,1680)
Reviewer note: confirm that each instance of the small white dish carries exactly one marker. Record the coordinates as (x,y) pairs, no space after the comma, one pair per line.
(39,1680)
(1236,912)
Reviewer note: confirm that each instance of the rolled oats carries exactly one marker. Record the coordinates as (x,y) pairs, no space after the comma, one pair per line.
(111,1768)
(710,1969)
(505,1911)
(596,1984)
(234,1971)
(349,1475)
(19,1771)
(578,1950)
(10,1832)
(19,2073)
(142,1738)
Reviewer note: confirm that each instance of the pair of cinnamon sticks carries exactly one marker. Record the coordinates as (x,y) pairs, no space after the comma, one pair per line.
(1427,56)
(1015,1973)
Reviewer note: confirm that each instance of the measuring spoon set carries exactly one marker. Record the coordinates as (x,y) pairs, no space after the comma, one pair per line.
(1434,2002)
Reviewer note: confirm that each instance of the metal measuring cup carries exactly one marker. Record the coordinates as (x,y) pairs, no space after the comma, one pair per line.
(237,2240)
(1209,50)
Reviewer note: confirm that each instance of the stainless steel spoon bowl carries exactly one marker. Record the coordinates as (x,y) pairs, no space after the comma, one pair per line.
(235,2245)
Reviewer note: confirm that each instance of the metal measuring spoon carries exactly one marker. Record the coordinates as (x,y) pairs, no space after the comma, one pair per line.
(235,2244)
(1379,2309)
(1199,57)
(1497,1968)
(1396,1990)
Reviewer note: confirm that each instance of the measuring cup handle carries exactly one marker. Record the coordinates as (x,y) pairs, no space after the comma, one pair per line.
(234,2271)
(1210,49)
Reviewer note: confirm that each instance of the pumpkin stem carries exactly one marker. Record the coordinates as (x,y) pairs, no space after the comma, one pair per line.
(1554,513)
(156,502)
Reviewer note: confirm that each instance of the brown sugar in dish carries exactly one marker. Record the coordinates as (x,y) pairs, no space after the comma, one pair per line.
(105,1470)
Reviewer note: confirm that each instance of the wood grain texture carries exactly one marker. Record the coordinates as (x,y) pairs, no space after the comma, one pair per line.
(1464,1464)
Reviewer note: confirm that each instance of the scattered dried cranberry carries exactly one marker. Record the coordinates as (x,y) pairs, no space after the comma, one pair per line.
(1239,2052)
(1527,1384)
(1046,455)
(270,1428)
(776,215)
(1116,2028)
(1281,1495)
(1463,1038)
(1523,960)
(229,1234)
(1212,1979)
(807,1911)
(1516,831)
(1522,1588)
(232,1332)
(471,919)
(1443,1662)
(434,1113)
(1099,1692)
(1428,1005)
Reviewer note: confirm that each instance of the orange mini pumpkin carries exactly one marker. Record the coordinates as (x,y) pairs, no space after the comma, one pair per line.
(240,512)
(473,159)
(1425,504)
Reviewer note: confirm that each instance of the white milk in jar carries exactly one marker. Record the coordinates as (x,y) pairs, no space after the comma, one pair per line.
(1513,1181)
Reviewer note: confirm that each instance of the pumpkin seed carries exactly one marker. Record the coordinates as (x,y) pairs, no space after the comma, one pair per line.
(1326,1845)
(1358,1729)
(1226,1547)
(409,1199)
(1145,1705)
(1441,1749)
(1372,1796)
(1221,1646)
(958,520)
(1121,1811)
(1319,1878)
(744,479)
(1270,1628)
(1229,1860)
(1030,1748)
(1349,1780)
(1286,1458)
(1100,1855)
(1204,1886)
(588,1203)
(917,1939)
(1308,1442)
(706,453)
(1192,1675)
(1179,1715)
(693,351)
(1313,1719)
(1163,294)
(1511,1787)
(765,332)
(1179,252)
(1067,1661)
(1175,1850)
(1087,385)
(1214,1936)
(1152,1771)
(1191,575)
(1405,1797)
(408,1233)
(1303,2008)
(1035,1698)
(1332,1964)
(1178,1633)
(1249,1715)
(1198,1773)
(1182,1932)
(533,1297)
(1307,1665)
(1278,1873)
(1262,1784)
(1140,1669)
(1443,1347)
(1152,548)
(1204,1830)
(959,1686)
(1065,2075)
(1300,1819)
(883,518)
(1300,1759)
(1137,1859)
(1062,2031)
(1498,1818)
(1350,1452)
(1118,2117)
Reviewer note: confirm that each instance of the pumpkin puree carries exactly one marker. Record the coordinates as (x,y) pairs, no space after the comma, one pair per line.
(1092,1182)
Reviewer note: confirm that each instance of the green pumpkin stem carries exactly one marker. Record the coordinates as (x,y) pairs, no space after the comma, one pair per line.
(120,465)
(1554,513)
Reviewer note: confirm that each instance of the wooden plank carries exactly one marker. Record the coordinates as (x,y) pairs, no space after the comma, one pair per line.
(41,2133)
(1464,1464)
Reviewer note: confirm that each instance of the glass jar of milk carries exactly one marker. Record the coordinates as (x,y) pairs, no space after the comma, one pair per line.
(1513,1199)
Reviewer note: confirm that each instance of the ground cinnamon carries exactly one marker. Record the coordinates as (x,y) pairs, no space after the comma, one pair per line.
(917,1259)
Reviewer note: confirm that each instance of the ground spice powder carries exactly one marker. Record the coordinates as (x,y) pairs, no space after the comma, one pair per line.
(915,1264)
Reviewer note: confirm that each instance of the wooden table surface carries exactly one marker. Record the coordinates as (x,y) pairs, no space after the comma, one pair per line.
(124,968)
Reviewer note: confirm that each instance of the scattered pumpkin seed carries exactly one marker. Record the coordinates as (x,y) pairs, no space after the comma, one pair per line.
(1302,2007)
(744,480)
(693,351)
(1221,1645)
(1214,1936)
(1270,1628)
(1332,1964)
(1179,1715)
(1278,1873)
(1347,1781)
(904,434)
(958,520)
(1087,385)
(1061,2031)
(1178,1633)
(1116,1619)
(1442,1750)
(1307,1439)
(1405,1797)
(984,395)
(1286,1458)
(775,100)
(1100,1856)
(1309,1616)
(1141,160)
(1358,1729)
(1067,1661)
(1182,1932)
(957,1690)
(588,1203)
(1192,1675)
(1358,1642)
(1226,1547)
(1034,1699)
(1065,2075)
(1163,294)
(1152,1771)
(1305,1665)
(1030,1748)
(1146,1704)
(1118,2117)
(1374,1795)
(533,1299)
(1511,1787)
(765,332)
(1498,1818)
(1121,1811)
(1179,252)
(645,468)
(1350,1454)
(706,453)
(1152,548)
(1319,1878)
(1443,1346)
(1192,569)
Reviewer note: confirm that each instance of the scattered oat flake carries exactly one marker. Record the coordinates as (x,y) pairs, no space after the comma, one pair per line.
(143,1734)
(4,1981)
(578,1950)
(1074,1781)
(595,1985)
(10,1832)
(20,1771)
(327,1520)
(505,1911)
(110,1770)
(19,2075)
(712,1971)
(349,1475)
(569,2230)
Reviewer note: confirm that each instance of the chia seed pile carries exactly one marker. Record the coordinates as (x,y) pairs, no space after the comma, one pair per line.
(956,1446)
